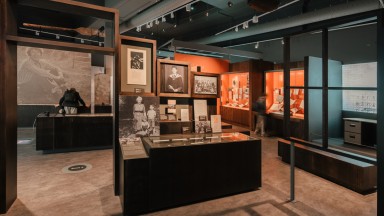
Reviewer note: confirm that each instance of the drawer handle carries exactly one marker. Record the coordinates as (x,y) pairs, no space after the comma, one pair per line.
(353,137)
(352,125)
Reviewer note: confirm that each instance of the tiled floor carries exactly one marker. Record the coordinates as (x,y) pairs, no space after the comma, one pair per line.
(44,190)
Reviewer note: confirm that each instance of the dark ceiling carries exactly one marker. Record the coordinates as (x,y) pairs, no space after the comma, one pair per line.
(220,17)
(209,17)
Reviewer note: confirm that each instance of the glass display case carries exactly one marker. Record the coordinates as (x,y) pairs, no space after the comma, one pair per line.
(274,88)
(235,90)
(194,139)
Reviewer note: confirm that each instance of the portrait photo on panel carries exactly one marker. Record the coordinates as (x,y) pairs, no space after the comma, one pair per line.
(137,70)
(175,78)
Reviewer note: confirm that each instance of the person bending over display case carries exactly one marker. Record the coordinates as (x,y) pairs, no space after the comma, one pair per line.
(70,101)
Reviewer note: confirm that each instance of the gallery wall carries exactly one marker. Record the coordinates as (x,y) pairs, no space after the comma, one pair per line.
(207,64)
(43,75)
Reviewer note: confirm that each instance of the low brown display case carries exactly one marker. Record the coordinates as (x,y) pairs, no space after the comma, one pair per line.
(180,169)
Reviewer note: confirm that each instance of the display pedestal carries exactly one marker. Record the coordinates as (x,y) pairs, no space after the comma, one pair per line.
(182,169)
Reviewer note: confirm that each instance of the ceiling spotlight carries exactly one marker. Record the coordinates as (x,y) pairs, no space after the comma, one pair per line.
(237,29)
(282,42)
(188,7)
(255,19)
(157,22)
(172,15)
(244,26)
(148,26)
(137,29)
(163,19)
(230,4)
(257,45)
(207,14)
(151,24)
(174,26)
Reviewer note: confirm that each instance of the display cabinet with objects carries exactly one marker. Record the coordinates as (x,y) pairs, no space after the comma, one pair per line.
(274,89)
(240,88)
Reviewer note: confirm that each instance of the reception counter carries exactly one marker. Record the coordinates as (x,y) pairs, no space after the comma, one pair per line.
(57,133)
(172,170)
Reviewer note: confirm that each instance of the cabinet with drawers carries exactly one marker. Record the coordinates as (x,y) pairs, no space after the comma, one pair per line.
(360,131)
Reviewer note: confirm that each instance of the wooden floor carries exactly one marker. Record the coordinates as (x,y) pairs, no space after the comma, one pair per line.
(43,189)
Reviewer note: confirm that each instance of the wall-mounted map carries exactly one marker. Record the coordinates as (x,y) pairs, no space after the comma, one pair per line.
(44,74)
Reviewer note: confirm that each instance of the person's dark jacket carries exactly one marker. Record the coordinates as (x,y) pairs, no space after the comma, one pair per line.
(71,98)
(259,107)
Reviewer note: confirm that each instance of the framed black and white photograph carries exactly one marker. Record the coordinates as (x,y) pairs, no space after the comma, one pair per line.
(173,78)
(205,85)
(202,126)
(139,116)
(137,66)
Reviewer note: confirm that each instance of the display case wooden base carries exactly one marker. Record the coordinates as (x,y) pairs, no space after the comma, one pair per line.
(356,175)
(57,133)
(179,172)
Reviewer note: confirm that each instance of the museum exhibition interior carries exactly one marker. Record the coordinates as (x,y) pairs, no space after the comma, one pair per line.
(191,107)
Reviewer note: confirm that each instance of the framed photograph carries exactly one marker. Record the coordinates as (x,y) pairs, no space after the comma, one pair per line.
(163,117)
(205,85)
(138,116)
(172,117)
(137,66)
(173,78)
(202,126)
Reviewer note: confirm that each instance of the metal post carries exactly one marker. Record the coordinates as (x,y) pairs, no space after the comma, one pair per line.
(292,198)
(380,113)
(287,129)
(325,88)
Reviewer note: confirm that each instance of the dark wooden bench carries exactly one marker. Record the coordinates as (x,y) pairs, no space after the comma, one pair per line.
(356,175)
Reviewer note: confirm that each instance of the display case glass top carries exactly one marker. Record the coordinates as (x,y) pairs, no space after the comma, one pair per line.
(132,148)
(194,139)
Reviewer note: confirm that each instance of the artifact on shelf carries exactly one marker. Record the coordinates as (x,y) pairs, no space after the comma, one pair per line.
(81,30)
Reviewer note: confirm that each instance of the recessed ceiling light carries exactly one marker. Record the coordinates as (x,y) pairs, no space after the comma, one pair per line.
(188,7)
(230,4)
(255,19)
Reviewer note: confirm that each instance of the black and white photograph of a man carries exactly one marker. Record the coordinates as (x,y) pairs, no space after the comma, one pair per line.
(137,67)
(175,78)
(137,60)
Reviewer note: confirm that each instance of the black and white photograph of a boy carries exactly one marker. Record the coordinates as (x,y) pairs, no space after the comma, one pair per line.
(137,60)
